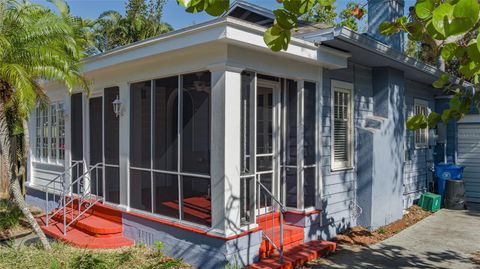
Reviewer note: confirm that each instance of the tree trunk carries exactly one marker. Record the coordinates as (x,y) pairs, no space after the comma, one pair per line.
(9,157)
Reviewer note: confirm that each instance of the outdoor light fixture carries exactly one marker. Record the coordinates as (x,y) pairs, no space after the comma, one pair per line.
(117,106)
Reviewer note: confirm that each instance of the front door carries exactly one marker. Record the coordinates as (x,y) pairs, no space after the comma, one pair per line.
(267,126)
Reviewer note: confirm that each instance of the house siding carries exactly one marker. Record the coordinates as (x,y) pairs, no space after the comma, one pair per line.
(416,174)
(339,197)
(440,105)
(339,187)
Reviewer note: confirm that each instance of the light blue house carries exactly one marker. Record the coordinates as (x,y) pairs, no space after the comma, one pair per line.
(260,151)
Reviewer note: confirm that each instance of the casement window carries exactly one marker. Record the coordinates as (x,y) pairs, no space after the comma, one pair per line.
(342,125)
(420,107)
(50,133)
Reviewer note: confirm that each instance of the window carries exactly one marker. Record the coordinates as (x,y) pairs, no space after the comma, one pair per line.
(170,147)
(420,107)
(342,125)
(50,133)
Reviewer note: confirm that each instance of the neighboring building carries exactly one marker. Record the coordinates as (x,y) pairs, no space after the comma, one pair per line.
(321,126)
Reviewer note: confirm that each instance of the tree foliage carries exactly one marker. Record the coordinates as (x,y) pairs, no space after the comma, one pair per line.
(142,20)
(349,17)
(449,30)
(321,14)
(352,15)
(35,44)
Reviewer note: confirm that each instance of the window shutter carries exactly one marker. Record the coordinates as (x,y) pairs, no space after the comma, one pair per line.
(340,130)
(421,135)
(342,127)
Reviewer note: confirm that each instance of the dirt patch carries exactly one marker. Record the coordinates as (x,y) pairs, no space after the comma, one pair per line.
(12,222)
(361,236)
(475,258)
(15,232)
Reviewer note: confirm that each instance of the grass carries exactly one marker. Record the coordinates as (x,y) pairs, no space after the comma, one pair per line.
(65,257)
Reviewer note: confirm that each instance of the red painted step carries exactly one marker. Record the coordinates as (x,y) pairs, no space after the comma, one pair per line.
(99,227)
(292,235)
(296,256)
(82,239)
(90,223)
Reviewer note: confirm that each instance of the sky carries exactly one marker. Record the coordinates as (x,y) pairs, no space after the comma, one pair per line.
(173,14)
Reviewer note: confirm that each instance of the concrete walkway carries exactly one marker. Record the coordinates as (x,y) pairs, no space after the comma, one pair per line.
(444,240)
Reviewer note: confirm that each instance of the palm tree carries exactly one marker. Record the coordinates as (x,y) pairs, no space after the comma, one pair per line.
(35,45)
(141,21)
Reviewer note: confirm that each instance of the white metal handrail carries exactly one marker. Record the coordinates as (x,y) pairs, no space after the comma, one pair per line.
(84,197)
(281,207)
(60,179)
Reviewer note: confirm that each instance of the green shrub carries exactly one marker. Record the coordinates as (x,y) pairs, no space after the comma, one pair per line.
(10,215)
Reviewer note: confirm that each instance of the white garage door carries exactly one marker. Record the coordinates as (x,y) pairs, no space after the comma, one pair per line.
(469,156)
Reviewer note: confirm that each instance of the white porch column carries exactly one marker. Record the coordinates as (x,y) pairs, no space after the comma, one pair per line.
(124,141)
(225,149)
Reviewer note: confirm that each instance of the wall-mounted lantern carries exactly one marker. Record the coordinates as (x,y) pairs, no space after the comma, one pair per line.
(117,106)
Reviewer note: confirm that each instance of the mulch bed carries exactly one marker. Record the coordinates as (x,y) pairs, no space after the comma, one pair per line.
(475,257)
(360,236)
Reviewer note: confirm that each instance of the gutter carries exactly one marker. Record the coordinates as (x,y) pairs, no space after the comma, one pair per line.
(374,46)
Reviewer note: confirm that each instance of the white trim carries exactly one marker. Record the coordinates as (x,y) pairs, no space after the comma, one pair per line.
(421,103)
(341,86)
(318,142)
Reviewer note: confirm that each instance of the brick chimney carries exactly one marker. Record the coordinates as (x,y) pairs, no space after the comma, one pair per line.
(385,10)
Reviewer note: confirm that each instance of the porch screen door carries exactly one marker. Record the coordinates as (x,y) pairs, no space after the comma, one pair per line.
(267,140)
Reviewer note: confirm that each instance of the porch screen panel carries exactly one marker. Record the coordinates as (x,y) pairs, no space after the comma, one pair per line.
(112,126)
(196,200)
(111,146)
(76,112)
(140,124)
(247,181)
(165,124)
(77,126)
(246,164)
(291,144)
(96,145)
(309,145)
(166,195)
(140,145)
(196,123)
(140,190)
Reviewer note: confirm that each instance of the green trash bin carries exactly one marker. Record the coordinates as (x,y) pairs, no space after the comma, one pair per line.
(430,201)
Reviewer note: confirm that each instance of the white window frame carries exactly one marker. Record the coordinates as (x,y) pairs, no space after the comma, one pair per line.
(417,105)
(40,129)
(345,87)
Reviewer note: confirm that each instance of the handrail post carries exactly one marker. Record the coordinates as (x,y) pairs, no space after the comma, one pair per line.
(64,216)
(46,207)
(281,234)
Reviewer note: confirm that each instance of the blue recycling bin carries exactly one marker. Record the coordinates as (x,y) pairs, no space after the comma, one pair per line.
(445,171)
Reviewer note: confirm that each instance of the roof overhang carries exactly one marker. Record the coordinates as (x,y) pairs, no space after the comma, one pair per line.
(372,53)
(226,29)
